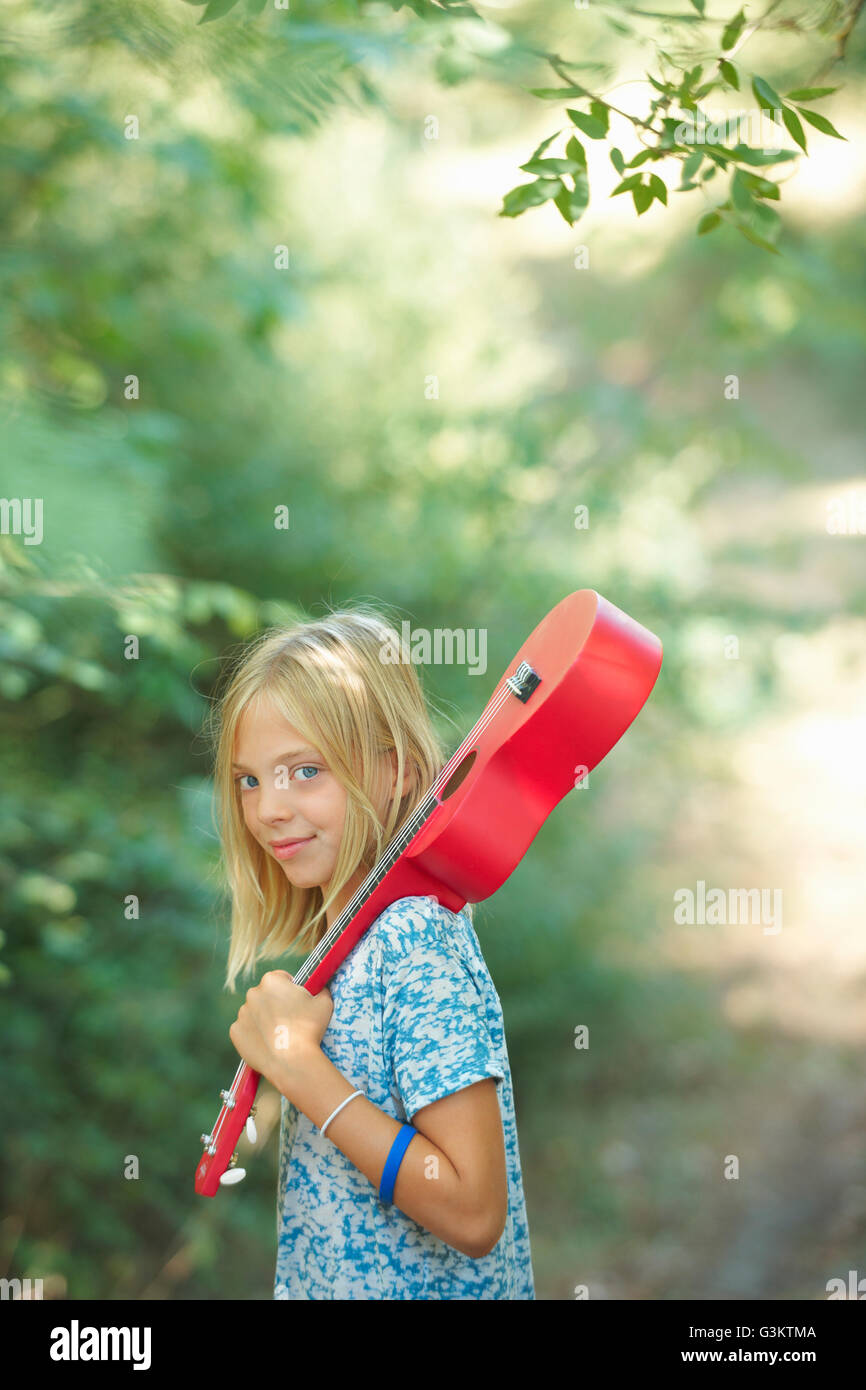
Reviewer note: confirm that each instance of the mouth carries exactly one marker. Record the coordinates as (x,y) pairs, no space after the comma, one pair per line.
(283,849)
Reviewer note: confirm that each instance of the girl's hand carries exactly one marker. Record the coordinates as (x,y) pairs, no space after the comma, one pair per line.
(280,1026)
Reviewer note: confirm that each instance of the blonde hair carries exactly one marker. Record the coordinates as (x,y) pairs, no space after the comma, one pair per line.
(325,676)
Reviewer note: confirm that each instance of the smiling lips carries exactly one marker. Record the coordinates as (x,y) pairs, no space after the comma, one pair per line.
(283,849)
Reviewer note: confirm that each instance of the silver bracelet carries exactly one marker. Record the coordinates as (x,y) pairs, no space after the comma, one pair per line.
(338,1109)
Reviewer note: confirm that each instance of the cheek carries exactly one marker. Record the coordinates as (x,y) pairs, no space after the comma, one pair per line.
(329,810)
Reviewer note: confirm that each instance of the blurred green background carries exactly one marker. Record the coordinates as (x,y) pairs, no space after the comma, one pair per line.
(310,386)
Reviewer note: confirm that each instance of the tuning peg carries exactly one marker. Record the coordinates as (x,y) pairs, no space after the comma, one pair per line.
(252,1133)
(233,1174)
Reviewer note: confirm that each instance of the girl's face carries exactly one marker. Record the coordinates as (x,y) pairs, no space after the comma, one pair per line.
(302,801)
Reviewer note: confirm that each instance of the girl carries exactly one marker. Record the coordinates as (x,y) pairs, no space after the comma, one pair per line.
(399,1169)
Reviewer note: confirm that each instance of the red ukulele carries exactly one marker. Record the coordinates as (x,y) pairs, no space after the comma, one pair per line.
(567,697)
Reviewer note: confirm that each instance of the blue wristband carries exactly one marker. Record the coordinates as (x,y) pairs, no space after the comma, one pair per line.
(393,1161)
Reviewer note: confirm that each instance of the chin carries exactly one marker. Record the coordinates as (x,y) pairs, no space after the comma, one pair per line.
(301,879)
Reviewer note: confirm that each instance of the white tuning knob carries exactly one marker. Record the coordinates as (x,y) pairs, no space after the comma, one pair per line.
(251,1131)
(232,1175)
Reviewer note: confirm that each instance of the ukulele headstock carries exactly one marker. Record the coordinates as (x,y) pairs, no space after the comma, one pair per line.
(218,1164)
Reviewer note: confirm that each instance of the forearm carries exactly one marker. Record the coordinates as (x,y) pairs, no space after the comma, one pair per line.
(427,1187)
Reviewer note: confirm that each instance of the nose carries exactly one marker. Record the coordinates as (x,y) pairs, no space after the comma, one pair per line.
(275,804)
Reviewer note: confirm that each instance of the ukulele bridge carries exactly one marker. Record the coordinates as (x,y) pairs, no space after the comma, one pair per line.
(524,681)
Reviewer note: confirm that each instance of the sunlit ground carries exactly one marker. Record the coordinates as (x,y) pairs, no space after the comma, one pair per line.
(795,820)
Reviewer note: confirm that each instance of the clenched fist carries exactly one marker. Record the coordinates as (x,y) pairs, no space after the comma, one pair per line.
(280,1027)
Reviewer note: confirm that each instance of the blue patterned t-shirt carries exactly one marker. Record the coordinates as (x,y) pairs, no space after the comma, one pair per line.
(416,1017)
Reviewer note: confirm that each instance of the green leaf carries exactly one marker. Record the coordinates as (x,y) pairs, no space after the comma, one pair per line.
(740,194)
(666,88)
(639,159)
(216,9)
(753,237)
(549,167)
(658,189)
(574,150)
(746,155)
(769,221)
(557,92)
(718,153)
(762,188)
(820,123)
(600,110)
(767,98)
(544,145)
(590,125)
(627,184)
(795,129)
(643,197)
(699,5)
(708,222)
(729,73)
(617,160)
(810,93)
(692,165)
(733,30)
(572,203)
(530,195)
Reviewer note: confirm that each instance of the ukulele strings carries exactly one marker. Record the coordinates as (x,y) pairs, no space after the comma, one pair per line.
(414,822)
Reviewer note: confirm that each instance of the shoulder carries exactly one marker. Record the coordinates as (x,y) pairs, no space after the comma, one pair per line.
(416,925)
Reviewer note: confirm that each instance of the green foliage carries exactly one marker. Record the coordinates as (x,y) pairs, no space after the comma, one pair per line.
(732,31)
(657,129)
(659,133)
(109,1019)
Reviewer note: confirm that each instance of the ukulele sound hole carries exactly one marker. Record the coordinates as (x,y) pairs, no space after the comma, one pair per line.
(458,775)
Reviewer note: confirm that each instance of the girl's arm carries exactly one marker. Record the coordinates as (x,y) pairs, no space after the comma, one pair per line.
(452,1179)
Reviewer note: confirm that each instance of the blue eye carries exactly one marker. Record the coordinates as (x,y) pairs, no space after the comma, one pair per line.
(307,767)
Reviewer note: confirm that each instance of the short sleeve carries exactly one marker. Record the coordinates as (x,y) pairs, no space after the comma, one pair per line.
(435,1032)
